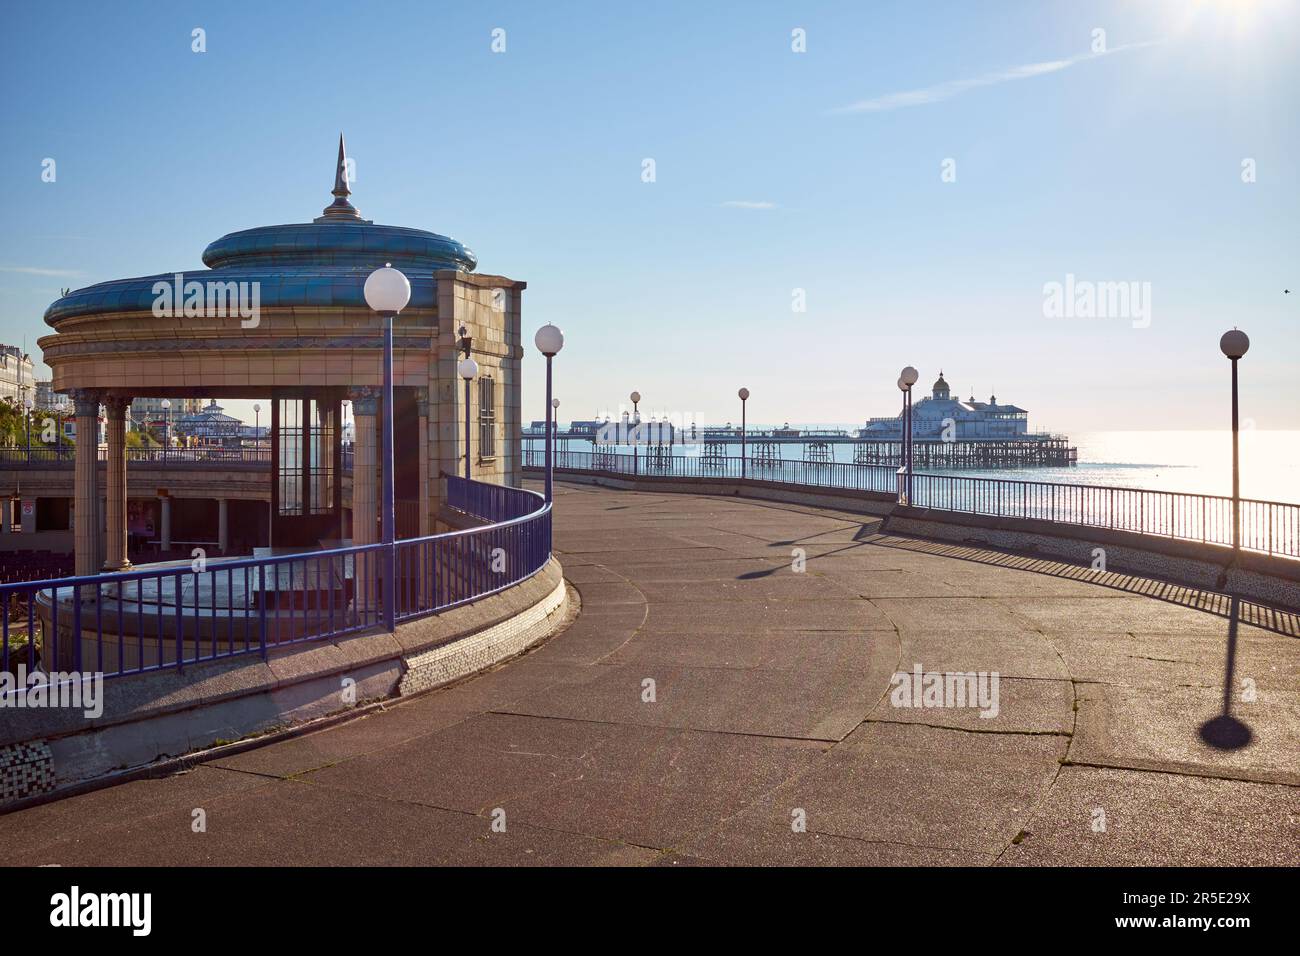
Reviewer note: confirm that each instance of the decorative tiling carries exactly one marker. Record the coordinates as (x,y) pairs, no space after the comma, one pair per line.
(26,769)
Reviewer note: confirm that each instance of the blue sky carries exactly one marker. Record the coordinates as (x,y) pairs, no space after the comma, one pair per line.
(775,171)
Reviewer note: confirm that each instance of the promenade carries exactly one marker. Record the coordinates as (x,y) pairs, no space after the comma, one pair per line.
(710,704)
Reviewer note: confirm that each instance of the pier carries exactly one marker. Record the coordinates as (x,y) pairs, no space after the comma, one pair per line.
(1048,452)
(765,444)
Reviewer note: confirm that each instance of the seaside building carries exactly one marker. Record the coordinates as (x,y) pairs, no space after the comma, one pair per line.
(950,433)
(211,426)
(48,398)
(16,379)
(968,421)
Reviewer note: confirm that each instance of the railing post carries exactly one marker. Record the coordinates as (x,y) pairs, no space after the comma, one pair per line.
(180,622)
(261,602)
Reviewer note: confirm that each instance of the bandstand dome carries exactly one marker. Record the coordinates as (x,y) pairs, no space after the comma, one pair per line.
(320,263)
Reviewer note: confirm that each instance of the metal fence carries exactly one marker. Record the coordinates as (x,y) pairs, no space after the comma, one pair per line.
(182,613)
(1269,527)
(55,456)
(45,456)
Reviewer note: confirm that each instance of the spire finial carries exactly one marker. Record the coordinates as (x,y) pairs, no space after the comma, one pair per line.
(341,172)
(340,209)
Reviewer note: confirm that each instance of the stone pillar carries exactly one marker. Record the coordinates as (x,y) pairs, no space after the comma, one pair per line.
(425,498)
(365,508)
(85,493)
(28,506)
(6,515)
(223,524)
(165,522)
(365,511)
(115,544)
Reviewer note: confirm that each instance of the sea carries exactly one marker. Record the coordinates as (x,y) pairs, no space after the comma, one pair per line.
(1187,461)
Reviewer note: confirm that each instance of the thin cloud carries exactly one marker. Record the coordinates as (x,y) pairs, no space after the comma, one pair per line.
(748,204)
(944,91)
(38,271)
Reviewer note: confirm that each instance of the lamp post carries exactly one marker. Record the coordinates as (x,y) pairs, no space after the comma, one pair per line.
(387,291)
(467,369)
(28,404)
(1234,344)
(906,379)
(167,424)
(549,340)
(555,404)
(636,420)
(744,397)
(257,429)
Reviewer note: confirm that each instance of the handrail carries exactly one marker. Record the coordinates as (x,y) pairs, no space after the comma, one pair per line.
(1267,527)
(166,617)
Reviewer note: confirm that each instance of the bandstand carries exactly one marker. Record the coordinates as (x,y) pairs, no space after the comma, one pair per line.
(279,315)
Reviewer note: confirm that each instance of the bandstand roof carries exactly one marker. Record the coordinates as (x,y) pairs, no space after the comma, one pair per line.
(319,263)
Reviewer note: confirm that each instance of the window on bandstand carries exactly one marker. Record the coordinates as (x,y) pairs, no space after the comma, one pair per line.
(487,418)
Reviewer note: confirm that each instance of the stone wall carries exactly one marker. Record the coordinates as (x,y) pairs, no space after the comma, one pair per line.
(489,307)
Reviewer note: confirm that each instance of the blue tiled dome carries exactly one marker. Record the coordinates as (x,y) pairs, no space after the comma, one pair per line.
(362,245)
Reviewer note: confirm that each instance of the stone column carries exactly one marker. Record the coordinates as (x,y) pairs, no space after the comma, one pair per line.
(165,522)
(425,498)
(115,545)
(6,515)
(365,511)
(223,524)
(85,493)
(365,460)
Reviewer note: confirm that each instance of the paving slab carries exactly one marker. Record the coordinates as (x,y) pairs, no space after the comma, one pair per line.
(1140,728)
(775,613)
(1116,613)
(924,787)
(802,651)
(1106,817)
(288,758)
(813,705)
(951,615)
(26,835)
(474,766)
(1020,707)
(695,779)
(1026,655)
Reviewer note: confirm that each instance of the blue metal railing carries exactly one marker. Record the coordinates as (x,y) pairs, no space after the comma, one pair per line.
(170,616)
(1268,527)
(46,456)
(64,456)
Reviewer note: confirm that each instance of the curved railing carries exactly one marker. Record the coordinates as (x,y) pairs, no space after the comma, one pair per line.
(1267,527)
(42,457)
(168,616)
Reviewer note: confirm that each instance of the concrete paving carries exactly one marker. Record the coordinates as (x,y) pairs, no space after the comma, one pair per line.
(711,704)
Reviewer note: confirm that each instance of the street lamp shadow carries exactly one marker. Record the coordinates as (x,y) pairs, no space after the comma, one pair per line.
(1226,732)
